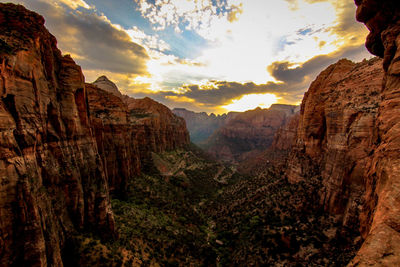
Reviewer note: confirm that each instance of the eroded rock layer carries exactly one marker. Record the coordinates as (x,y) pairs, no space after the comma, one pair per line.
(127,130)
(380,218)
(248,133)
(64,144)
(52,179)
(336,133)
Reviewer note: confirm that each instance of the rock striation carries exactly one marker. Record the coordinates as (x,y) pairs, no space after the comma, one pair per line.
(201,125)
(248,133)
(64,145)
(127,130)
(380,220)
(336,133)
(52,178)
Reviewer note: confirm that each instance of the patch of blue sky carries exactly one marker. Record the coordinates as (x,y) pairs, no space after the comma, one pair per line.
(282,43)
(186,44)
(305,32)
(123,13)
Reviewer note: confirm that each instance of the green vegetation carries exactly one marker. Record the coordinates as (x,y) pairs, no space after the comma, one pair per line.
(182,213)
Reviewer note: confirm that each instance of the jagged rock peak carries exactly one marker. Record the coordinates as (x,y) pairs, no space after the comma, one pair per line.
(105,84)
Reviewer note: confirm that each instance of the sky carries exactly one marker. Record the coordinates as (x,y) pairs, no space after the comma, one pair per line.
(206,55)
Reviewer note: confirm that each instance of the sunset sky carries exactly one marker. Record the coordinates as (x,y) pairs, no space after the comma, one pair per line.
(206,55)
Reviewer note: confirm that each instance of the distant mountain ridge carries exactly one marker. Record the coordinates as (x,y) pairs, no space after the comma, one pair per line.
(201,125)
(248,132)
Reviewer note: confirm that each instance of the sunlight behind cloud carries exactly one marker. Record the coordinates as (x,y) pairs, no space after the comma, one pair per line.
(251,101)
(206,52)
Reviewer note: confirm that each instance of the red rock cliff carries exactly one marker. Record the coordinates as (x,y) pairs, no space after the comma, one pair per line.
(156,127)
(380,219)
(336,133)
(117,147)
(127,130)
(52,181)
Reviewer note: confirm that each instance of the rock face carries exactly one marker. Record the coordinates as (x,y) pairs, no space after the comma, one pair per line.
(380,220)
(336,133)
(201,125)
(104,83)
(157,129)
(52,179)
(64,144)
(248,133)
(115,141)
(127,130)
(276,155)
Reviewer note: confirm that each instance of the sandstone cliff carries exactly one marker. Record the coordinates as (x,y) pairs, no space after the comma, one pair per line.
(248,133)
(52,178)
(201,125)
(64,144)
(127,130)
(336,133)
(380,218)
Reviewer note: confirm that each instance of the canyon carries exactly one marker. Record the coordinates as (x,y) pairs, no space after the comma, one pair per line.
(248,133)
(201,125)
(89,175)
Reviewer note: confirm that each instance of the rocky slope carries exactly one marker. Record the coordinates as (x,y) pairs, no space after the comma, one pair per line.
(63,145)
(248,133)
(52,178)
(201,125)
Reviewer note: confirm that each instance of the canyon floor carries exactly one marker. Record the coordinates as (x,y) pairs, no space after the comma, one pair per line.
(187,210)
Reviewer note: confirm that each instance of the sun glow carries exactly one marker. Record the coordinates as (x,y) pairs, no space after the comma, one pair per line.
(251,101)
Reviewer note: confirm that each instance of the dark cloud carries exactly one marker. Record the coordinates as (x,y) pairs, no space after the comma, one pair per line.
(282,71)
(91,39)
(294,82)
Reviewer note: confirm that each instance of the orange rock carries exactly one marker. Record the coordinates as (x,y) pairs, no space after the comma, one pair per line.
(127,130)
(51,176)
(336,133)
(380,220)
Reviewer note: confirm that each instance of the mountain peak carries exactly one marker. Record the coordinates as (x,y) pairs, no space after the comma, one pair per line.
(105,84)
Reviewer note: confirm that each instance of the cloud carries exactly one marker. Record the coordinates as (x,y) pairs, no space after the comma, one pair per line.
(285,72)
(75,4)
(92,40)
(189,15)
(293,82)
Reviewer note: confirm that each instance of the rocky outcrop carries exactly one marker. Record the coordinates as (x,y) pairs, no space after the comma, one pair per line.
(157,129)
(276,155)
(104,83)
(248,133)
(127,130)
(380,220)
(52,178)
(336,133)
(201,125)
(116,142)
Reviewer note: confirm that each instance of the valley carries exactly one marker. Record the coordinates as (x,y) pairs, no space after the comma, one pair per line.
(92,177)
